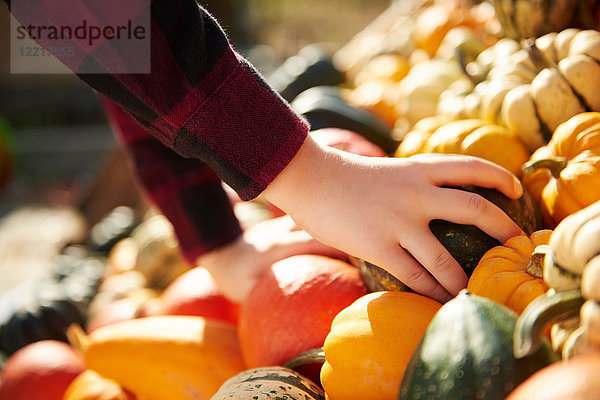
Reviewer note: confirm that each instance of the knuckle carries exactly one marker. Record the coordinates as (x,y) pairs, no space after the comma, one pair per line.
(477,205)
(443,261)
(415,276)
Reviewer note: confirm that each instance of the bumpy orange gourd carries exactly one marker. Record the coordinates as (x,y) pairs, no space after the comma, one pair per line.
(510,274)
(473,137)
(371,342)
(171,357)
(564,176)
(89,385)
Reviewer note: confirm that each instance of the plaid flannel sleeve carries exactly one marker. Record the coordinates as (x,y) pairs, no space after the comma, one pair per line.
(200,97)
(186,191)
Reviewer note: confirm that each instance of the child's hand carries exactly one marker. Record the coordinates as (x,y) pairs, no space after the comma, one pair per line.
(236,267)
(379,209)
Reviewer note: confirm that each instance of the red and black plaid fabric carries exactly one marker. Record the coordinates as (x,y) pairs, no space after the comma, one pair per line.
(187,191)
(201,99)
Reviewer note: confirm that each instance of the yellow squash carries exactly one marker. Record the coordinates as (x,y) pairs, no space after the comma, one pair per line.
(473,137)
(163,357)
(370,344)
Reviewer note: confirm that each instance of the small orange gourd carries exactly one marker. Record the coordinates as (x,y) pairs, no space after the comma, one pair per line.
(512,274)
(564,176)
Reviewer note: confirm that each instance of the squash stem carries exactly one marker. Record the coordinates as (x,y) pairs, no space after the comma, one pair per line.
(536,56)
(308,357)
(535,267)
(552,306)
(554,164)
(77,338)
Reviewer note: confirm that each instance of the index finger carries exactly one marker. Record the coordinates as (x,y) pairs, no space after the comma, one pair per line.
(453,170)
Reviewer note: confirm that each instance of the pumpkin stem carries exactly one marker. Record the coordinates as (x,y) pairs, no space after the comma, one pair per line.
(554,164)
(77,338)
(552,306)
(308,357)
(536,55)
(535,267)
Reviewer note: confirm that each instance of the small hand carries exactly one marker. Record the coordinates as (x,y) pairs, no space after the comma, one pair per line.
(379,209)
(236,267)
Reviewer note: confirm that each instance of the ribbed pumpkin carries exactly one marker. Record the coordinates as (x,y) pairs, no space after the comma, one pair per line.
(292,305)
(371,342)
(163,357)
(89,385)
(511,274)
(473,137)
(564,176)
(545,84)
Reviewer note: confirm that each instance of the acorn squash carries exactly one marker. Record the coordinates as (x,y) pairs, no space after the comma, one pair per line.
(467,243)
(466,353)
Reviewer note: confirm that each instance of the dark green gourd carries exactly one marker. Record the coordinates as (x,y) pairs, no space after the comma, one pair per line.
(467,353)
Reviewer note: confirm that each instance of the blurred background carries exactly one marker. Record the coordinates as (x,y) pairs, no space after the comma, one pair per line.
(63,156)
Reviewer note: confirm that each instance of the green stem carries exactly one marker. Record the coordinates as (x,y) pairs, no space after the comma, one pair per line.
(550,307)
(308,357)
(554,164)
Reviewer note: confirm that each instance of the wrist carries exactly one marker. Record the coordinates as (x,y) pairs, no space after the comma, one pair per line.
(311,170)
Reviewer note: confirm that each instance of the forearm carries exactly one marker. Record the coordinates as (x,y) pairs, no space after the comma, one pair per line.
(186,191)
(200,97)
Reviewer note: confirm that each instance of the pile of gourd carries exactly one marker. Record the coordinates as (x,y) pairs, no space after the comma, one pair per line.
(512,81)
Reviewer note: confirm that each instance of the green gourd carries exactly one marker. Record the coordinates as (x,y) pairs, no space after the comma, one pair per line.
(467,353)
(269,383)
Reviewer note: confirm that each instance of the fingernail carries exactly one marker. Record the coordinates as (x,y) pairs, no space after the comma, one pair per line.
(518,187)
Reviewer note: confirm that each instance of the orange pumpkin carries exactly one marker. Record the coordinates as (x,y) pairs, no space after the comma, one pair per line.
(512,274)
(40,371)
(576,378)
(291,307)
(371,343)
(89,385)
(193,293)
(564,176)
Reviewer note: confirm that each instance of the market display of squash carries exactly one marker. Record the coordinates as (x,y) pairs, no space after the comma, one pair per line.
(564,176)
(514,82)
(512,274)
